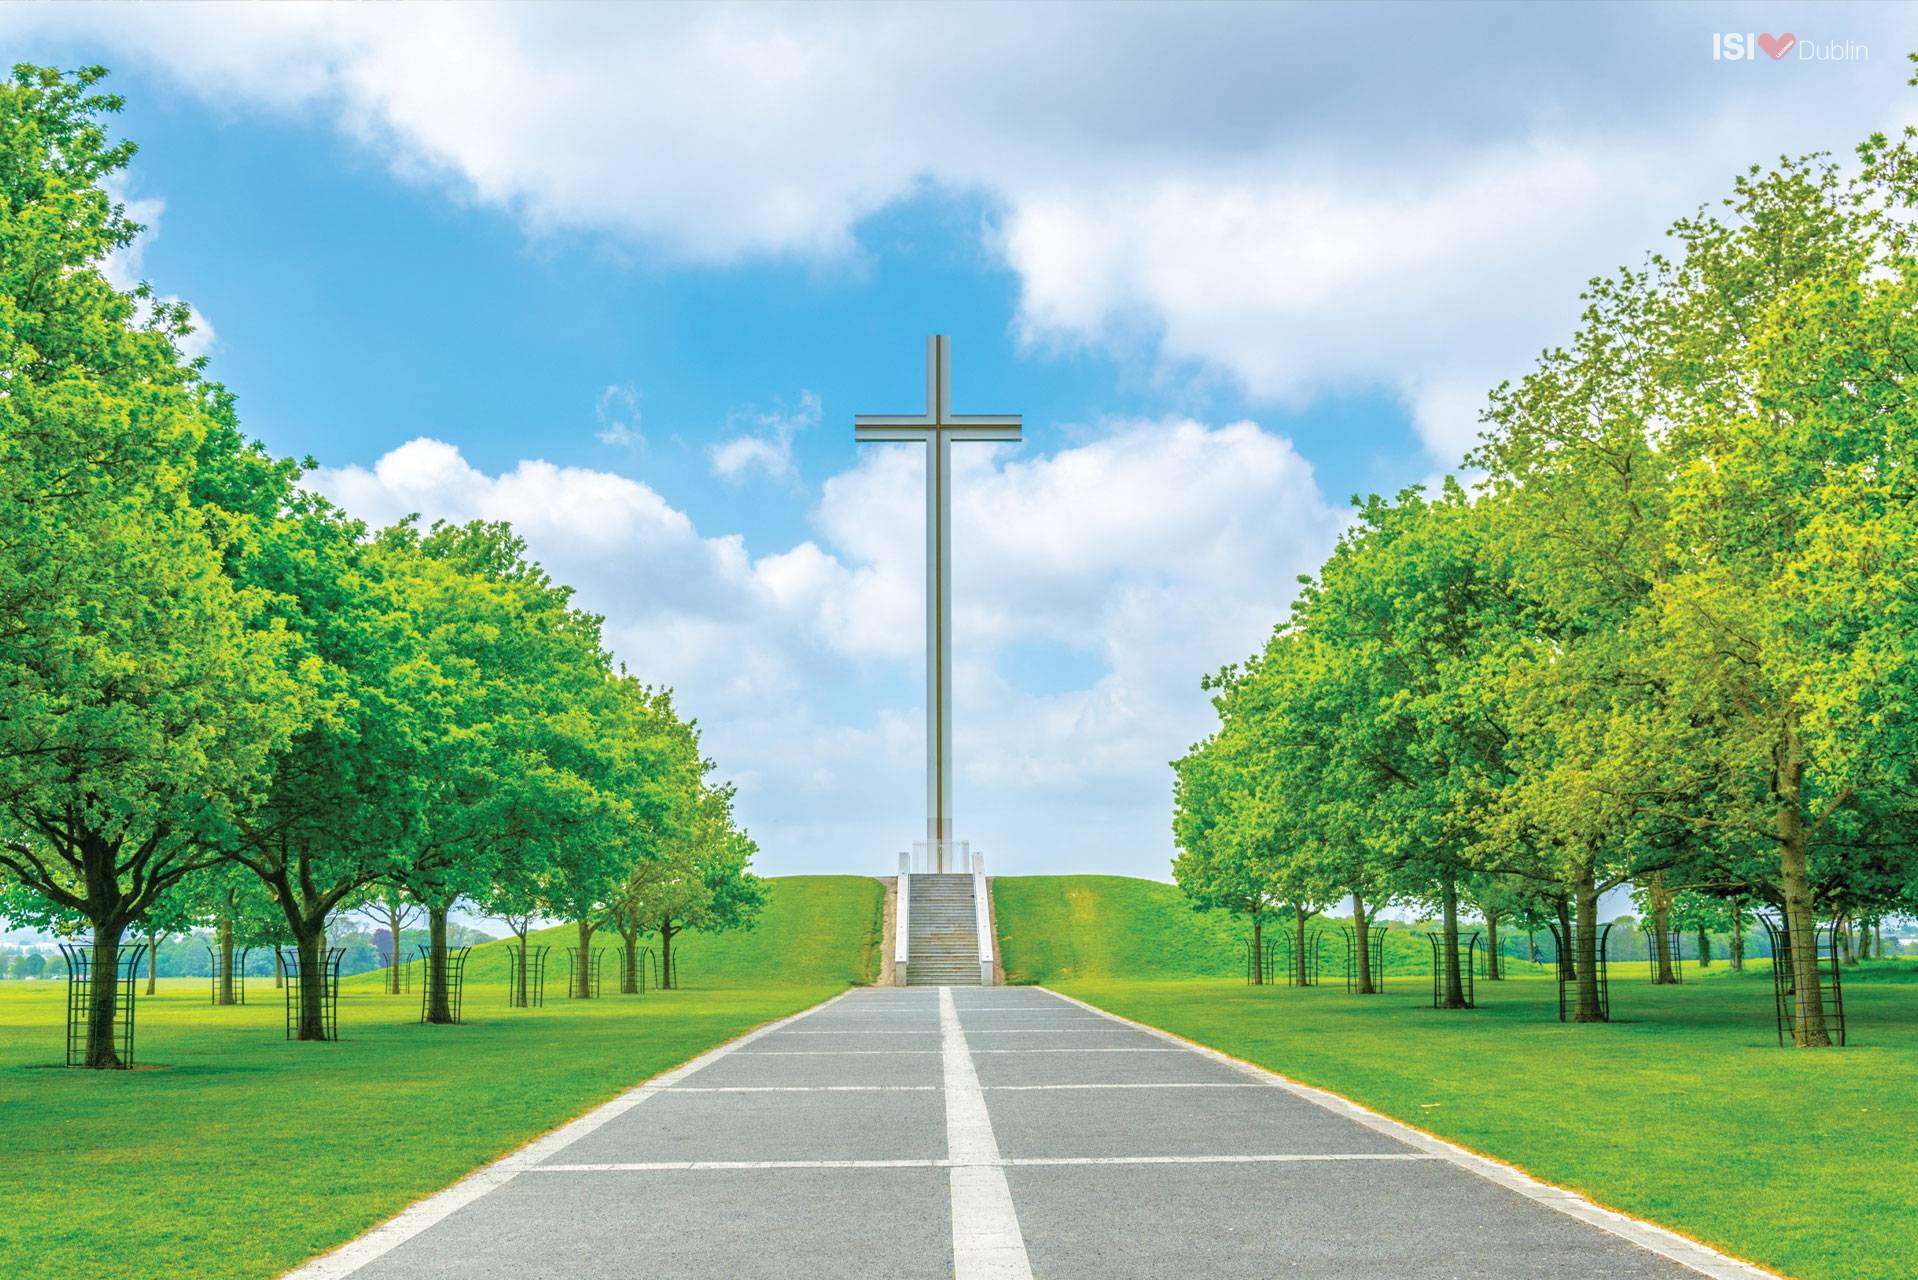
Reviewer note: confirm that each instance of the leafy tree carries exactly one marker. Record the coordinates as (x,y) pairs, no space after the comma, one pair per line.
(345,796)
(141,687)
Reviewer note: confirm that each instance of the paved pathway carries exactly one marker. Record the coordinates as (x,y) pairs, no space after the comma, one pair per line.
(990,1133)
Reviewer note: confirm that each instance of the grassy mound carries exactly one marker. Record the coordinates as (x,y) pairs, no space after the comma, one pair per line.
(814,929)
(1054,928)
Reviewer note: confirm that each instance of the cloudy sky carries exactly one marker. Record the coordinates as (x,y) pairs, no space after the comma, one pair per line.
(623,275)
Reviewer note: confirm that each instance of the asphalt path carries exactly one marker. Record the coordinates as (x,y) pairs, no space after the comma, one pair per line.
(996,1134)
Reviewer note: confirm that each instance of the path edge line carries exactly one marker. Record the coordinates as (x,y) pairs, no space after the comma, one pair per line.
(1650,1236)
(383,1237)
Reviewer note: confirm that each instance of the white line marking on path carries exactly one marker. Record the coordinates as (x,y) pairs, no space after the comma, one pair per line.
(865,1031)
(421,1214)
(1646,1235)
(840,1053)
(909,1053)
(724,1166)
(1095,1049)
(1021,1031)
(819,1088)
(986,1241)
(1128,1085)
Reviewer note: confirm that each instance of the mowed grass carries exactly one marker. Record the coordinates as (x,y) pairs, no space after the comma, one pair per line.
(1684,1111)
(239,1154)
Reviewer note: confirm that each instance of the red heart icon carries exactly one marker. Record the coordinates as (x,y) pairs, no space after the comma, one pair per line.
(1777,46)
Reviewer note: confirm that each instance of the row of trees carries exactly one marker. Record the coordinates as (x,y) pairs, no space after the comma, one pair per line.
(1667,641)
(223,698)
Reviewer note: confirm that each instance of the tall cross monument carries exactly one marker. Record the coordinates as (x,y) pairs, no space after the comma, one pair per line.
(938,427)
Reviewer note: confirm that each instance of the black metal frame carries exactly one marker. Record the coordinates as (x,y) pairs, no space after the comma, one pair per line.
(534,996)
(1374,943)
(1264,972)
(455,978)
(592,975)
(239,975)
(1567,947)
(1468,990)
(1784,980)
(296,991)
(1675,940)
(1288,946)
(79,959)
(388,961)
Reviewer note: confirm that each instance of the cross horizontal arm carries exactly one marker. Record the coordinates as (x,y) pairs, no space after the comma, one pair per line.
(908,427)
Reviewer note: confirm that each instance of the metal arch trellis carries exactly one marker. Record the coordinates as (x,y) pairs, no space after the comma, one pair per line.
(1784,979)
(1567,949)
(1289,958)
(1261,975)
(1675,948)
(455,979)
(526,990)
(1375,944)
(633,960)
(79,960)
(1468,992)
(214,971)
(592,965)
(296,991)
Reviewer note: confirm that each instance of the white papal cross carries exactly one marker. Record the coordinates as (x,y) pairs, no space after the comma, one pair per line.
(938,427)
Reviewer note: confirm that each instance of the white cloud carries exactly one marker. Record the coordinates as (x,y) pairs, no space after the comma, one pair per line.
(1137,560)
(1305,199)
(767,446)
(618,416)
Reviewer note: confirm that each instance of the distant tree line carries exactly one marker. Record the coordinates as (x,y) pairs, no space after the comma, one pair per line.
(227,704)
(1668,638)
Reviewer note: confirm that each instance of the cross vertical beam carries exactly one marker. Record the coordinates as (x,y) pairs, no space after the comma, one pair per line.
(938,427)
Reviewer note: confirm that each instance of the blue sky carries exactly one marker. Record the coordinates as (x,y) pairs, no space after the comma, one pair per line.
(624,275)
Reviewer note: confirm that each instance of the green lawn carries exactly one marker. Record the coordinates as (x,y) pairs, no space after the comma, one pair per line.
(243,1154)
(1684,1111)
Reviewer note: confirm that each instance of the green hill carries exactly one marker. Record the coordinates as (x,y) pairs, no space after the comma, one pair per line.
(1061,927)
(813,930)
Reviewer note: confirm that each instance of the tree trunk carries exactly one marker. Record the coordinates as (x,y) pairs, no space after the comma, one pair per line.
(524,982)
(153,962)
(1492,971)
(1661,941)
(439,1005)
(279,970)
(1738,937)
(103,997)
(1300,974)
(629,963)
(1586,950)
(1451,983)
(393,931)
(1567,943)
(1258,951)
(583,973)
(227,994)
(1808,1031)
(1704,947)
(312,948)
(1362,935)
(666,932)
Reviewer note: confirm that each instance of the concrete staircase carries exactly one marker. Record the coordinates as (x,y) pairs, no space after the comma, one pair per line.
(944,929)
